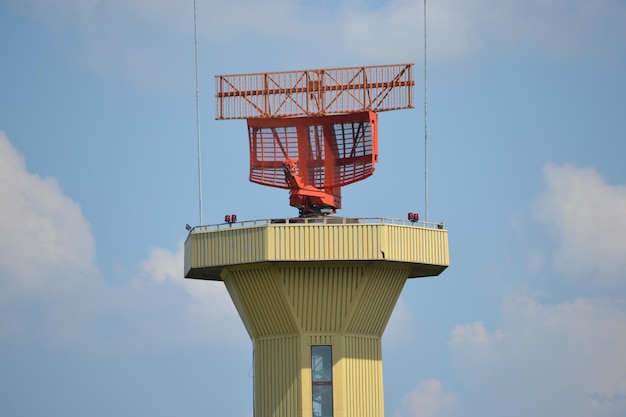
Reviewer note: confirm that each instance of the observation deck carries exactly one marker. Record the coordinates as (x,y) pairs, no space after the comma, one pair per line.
(422,248)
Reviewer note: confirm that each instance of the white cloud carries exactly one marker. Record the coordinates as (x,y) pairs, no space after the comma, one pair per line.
(210,298)
(586,215)
(401,329)
(428,399)
(567,357)
(46,246)
(51,291)
(473,336)
(48,274)
(210,310)
(563,359)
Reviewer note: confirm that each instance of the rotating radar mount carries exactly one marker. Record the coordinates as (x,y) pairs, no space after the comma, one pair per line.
(314,131)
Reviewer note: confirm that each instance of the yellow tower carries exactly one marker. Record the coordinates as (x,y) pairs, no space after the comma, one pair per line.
(315,293)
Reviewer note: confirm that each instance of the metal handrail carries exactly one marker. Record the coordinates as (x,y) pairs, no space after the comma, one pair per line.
(297,221)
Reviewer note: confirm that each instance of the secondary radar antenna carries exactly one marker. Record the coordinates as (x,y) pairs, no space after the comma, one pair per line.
(314,131)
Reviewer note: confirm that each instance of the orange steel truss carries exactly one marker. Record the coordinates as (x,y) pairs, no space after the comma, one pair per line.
(314,131)
(317,92)
(313,156)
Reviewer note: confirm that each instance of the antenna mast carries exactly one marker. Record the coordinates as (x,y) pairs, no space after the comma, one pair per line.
(195,41)
(425,124)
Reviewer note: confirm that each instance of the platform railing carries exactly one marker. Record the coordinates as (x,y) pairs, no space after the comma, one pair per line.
(297,221)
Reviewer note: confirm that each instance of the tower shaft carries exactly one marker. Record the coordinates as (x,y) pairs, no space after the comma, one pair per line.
(289,309)
(315,299)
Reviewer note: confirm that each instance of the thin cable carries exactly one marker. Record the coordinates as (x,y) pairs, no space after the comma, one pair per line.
(195,41)
(425,123)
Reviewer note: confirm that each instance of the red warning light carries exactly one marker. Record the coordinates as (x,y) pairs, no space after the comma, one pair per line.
(227,218)
(233,218)
(413,217)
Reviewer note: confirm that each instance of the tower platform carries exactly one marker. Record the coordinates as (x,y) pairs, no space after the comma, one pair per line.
(315,296)
(422,249)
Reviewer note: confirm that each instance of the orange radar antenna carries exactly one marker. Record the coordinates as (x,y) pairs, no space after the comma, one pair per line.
(314,131)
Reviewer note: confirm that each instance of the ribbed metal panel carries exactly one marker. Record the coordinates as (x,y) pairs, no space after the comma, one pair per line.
(259,302)
(427,246)
(321,339)
(321,296)
(379,297)
(211,251)
(277,377)
(229,246)
(325,242)
(364,377)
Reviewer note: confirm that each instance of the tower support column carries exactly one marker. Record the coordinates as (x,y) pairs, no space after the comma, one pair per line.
(315,299)
(292,310)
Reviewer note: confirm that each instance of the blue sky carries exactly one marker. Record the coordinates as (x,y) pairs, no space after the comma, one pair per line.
(98,178)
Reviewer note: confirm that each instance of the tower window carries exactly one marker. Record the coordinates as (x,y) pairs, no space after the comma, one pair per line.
(322,380)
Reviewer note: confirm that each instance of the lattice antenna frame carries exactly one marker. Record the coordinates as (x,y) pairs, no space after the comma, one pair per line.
(314,131)
(317,92)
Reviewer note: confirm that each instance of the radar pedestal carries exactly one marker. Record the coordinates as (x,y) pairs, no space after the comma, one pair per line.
(315,300)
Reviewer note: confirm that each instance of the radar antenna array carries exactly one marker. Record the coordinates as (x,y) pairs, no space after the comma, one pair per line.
(314,131)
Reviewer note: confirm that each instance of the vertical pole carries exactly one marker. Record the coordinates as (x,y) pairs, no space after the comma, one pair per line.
(425,124)
(195,40)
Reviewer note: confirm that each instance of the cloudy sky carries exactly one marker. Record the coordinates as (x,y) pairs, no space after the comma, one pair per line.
(98,177)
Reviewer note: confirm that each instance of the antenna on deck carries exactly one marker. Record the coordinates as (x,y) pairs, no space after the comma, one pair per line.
(314,131)
(425,124)
(195,41)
